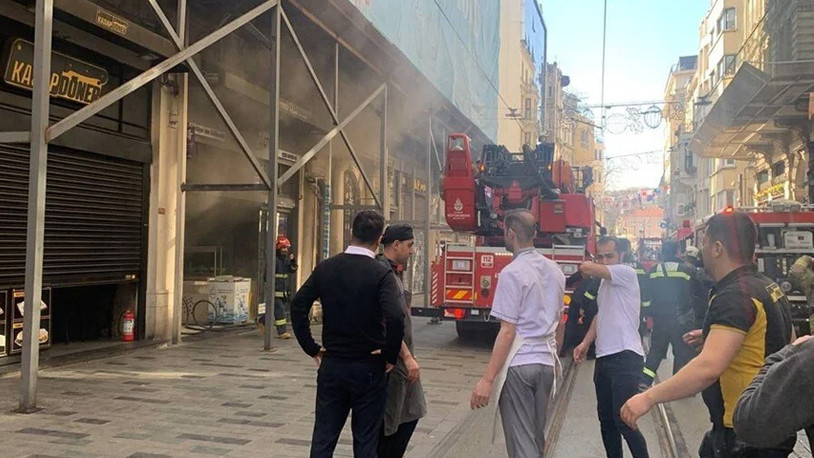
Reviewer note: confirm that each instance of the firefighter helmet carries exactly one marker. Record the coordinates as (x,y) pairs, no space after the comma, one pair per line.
(283,242)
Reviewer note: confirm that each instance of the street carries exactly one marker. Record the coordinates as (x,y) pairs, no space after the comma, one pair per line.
(219,396)
(224,396)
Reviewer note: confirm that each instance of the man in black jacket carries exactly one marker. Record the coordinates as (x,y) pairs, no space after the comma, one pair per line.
(363,327)
(780,400)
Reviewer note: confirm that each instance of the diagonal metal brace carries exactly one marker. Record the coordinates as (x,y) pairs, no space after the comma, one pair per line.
(224,115)
(330,107)
(120,92)
(328,137)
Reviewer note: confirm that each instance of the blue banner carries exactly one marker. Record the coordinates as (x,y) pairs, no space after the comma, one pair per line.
(454,43)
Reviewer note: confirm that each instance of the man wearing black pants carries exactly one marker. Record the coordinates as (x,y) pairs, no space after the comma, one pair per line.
(363,327)
(671,285)
(619,353)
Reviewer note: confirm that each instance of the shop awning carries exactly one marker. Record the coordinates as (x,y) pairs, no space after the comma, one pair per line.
(743,118)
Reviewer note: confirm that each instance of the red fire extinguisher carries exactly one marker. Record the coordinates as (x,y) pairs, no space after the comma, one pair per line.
(128,326)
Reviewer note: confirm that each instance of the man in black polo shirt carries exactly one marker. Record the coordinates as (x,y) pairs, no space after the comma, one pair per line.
(748,319)
(363,327)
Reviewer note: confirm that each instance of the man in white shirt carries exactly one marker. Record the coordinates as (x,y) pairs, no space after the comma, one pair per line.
(528,302)
(619,353)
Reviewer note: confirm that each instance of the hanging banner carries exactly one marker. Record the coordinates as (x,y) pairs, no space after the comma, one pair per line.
(454,43)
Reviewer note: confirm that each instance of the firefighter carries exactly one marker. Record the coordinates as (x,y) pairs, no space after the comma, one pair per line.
(581,312)
(286,265)
(801,274)
(641,276)
(670,283)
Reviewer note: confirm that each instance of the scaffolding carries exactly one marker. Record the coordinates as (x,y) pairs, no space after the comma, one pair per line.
(42,133)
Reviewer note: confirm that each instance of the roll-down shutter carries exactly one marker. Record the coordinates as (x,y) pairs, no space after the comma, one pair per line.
(93,218)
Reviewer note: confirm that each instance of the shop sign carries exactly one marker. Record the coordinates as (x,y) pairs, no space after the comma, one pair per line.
(71,79)
(774,192)
(419,186)
(109,21)
(207,132)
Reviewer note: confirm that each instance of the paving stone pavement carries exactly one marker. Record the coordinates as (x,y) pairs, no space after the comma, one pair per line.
(222,396)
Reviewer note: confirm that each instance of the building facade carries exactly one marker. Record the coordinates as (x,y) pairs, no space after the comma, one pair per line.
(522,64)
(750,119)
(155,196)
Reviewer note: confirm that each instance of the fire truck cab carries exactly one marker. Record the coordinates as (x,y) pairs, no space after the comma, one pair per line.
(785,232)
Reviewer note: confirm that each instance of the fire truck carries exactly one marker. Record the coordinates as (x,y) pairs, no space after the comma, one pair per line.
(476,196)
(648,251)
(785,232)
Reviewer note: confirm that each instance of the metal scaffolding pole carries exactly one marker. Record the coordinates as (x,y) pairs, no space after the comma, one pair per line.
(384,190)
(36,205)
(332,111)
(134,84)
(181,176)
(274,151)
(427,244)
(179,40)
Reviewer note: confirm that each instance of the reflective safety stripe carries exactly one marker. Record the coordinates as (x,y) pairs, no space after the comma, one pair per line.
(640,272)
(589,295)
(646,304)
(280,275)
(649,373)
(279,322)
(660,274)
(279,294)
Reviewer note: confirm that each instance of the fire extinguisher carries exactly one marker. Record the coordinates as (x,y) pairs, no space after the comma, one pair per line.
(128,326)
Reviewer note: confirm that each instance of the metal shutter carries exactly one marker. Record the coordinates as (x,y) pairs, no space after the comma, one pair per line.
(94,218)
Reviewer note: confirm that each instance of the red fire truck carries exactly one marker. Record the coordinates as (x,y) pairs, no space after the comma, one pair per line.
(477,194)
(785,232)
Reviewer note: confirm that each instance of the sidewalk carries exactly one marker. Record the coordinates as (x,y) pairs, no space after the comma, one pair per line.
(222,396)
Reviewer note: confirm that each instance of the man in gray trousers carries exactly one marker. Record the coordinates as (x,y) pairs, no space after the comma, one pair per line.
(528,302)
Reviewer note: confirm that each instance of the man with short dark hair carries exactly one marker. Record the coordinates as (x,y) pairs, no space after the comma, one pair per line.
(748,318)
(362,332)
(405,396)
(522,369)
(619,353)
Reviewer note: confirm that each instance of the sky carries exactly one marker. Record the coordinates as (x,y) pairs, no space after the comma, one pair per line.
(644,39)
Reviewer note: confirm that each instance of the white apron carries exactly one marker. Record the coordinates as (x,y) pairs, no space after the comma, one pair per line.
(551,343)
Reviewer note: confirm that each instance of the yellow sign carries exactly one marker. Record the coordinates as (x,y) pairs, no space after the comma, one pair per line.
(110,21)
(71,79)
(778,190)
(419,186)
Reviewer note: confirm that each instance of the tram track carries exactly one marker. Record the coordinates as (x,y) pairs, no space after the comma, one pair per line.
(671,441)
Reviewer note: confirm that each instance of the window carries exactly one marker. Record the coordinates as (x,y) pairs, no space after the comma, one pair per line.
(762,177)
(727,65)
(689,161)
(778,169)
(728,21)
(528,109)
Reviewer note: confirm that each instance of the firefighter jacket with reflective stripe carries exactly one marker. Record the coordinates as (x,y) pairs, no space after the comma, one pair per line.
(670,291)
(283,278)
(641,275)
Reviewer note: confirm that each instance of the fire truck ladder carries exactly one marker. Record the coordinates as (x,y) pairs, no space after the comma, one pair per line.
(456,292)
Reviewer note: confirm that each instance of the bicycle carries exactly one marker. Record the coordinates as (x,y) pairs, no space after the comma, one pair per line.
(190,311)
